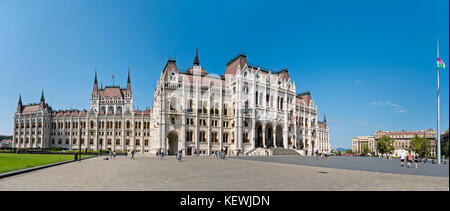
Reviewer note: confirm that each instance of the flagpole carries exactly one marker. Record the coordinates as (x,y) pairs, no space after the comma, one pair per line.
(438,132)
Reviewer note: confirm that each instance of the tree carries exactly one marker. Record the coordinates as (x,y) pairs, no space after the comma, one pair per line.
(385,145)
(365,149)
(420,145)
(444,149)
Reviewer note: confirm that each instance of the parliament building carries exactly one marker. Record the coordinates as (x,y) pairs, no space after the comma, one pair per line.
(249,111)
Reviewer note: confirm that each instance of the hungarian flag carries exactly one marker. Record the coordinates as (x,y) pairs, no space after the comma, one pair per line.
(440,63)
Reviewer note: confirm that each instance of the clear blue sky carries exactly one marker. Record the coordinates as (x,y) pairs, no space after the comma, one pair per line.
(370,65)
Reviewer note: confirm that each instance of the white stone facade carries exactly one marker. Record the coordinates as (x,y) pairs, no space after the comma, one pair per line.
(246,109)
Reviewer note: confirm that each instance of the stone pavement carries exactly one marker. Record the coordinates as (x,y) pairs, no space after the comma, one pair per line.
(360,163)
(208,173)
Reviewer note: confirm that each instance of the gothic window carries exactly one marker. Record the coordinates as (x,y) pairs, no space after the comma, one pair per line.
(119,109)
(111,109)
(202,136)
(214,138)
(103,109)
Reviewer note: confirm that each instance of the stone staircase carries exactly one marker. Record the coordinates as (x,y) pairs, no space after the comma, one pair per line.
(283,151)
(258,152)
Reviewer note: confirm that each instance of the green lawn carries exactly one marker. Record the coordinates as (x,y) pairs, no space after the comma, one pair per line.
(13,162)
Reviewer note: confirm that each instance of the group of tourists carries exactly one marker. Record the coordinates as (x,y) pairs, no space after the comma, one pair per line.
(409,159)
(160,154)
(386,156)
(220,154)
(112,155)
(322,154)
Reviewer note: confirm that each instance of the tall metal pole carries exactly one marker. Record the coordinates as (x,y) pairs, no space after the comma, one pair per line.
(438,132)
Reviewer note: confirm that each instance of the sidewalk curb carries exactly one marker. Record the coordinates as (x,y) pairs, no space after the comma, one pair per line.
(13,173)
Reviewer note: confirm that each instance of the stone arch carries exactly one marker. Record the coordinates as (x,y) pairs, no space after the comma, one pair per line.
(269,135)
(279,136)
(259,142)
(172,142)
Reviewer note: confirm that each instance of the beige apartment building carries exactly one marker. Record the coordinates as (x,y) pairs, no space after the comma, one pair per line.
(402,140)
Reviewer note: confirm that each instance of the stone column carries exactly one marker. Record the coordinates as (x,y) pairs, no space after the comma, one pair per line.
(274,136)
(264,135)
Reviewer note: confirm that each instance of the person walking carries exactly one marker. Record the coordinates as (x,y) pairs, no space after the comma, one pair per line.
(223,154)
(416,160)
(402,158)
(317,154)
(409,160)
(132,155)
(114,154)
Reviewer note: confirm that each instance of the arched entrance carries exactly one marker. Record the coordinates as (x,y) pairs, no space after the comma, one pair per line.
(259,134)
(279,136)
(172,140)
(269,136)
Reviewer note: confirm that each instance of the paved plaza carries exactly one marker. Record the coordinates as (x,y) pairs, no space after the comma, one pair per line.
(232,174)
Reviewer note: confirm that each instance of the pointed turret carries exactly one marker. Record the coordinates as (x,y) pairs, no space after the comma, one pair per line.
(325,120)
(19,105)
(196,60)
(129,81)
(42,97)
(95,89)
(42,102)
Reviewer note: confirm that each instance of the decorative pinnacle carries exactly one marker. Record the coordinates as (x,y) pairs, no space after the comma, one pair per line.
(196,60)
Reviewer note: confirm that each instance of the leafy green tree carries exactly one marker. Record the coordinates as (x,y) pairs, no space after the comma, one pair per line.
(385,144)
(444,149)
(365,149)
(420,145)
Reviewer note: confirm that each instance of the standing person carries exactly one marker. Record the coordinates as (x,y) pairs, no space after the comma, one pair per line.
(317,154)
(409,160)
(402,158)
(110,154)
(223,155)
(416,159)
(132,154)
(114,154)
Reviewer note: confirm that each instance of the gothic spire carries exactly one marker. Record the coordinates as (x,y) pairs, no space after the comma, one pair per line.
(42,96)
(95,80)
(129,81)
(196,60)
(19,105)
(95,89)
(325,118)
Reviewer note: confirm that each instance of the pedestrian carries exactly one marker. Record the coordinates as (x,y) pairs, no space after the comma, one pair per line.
(132,155)
(223,154)
(126,153)
(110,154)
(416,160)
(317,154)
(180,155)
(114,154)
(402,158)
(409,160)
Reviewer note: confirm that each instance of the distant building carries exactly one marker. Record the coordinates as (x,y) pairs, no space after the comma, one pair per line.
(444,136)
(7,143)
(403,139)
(359,142)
